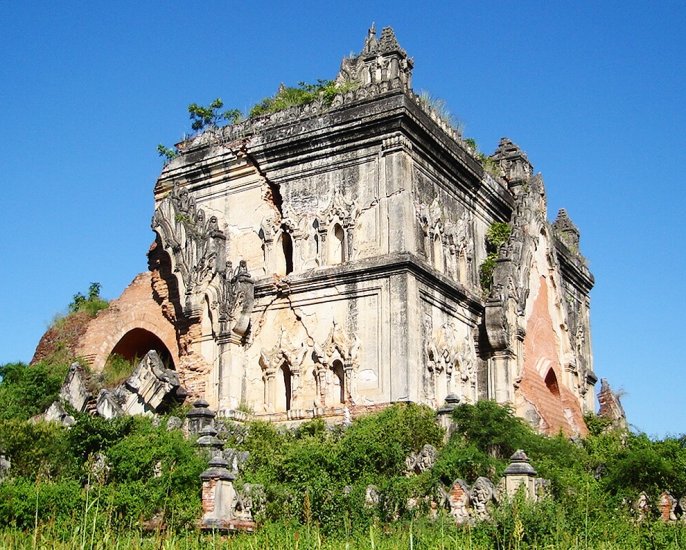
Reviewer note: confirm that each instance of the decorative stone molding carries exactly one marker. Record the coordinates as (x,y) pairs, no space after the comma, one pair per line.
(337,347)
(446,243)
(513,162)
(424,460)
(284,355)
(343,213)
(231,302)
(381,63)
(566,231)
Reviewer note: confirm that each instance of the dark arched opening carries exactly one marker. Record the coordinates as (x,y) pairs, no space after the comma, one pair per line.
(339,381)
(551,383)
(287,245)
(284,388)
(137,342)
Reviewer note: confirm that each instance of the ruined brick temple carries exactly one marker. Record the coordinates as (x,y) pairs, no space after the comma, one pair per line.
(325,260)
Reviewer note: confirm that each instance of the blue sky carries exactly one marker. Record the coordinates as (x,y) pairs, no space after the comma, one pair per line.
(592,91)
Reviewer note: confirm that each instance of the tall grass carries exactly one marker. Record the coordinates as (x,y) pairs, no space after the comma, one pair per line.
(439,534)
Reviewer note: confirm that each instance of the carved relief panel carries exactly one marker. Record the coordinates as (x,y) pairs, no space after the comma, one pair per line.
(450,363)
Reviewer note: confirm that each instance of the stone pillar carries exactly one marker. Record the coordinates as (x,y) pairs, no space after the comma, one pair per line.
(209,442)
(500,387)
(231,374)
(218,495)
(444,414)
(520,473)
(199,417)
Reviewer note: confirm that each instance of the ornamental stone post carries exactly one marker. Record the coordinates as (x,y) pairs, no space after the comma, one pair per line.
(520,473)
(199,417)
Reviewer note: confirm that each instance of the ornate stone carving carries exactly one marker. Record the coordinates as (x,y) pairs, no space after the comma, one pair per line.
(482,496)
(337,348)
(450,363)
(459,501)
(446,243)
(642,507)
(381,65)
(566,231)
(424,460)
(196,245)
(371,496)
(667,507)
(513,162)
(510,289)
(250,501)
(197,249)
(5,466)
(284,355)
(231,302)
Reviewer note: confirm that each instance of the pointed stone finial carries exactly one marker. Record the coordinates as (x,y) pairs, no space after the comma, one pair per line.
(381,66)
(513,162)
(611,406)
(218,469)
(388,42)
(370,42)
(566,231)
(199,416)
(208,440)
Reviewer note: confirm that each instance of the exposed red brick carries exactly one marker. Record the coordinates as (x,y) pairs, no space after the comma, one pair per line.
(541,346)
(63,335)
(134,309)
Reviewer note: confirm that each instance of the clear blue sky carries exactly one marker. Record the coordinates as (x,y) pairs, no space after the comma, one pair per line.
(593,91)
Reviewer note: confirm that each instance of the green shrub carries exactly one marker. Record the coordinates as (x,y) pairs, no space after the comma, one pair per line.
(116,370)
(497,235)
(37,449)
(23,501)
(288,97)
(91,303)
(92,434)
(378,444)
(26,391)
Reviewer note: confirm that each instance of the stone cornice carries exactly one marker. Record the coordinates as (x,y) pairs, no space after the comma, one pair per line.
(369,269)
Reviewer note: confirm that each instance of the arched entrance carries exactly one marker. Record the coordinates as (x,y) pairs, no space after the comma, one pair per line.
(137,342)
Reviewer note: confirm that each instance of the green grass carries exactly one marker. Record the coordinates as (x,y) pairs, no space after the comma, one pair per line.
(440,533)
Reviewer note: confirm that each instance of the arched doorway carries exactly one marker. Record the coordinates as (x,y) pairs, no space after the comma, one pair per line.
(137,342)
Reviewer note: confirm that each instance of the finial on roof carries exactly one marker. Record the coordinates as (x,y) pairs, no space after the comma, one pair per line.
(513,162)
(382,64)
(370,42)
(566,231)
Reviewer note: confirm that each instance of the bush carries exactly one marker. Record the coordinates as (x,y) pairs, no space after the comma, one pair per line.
(92,303)
(37,449)
(288,97)
(26,391)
